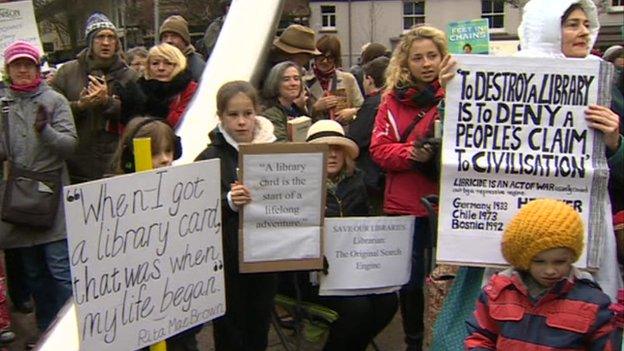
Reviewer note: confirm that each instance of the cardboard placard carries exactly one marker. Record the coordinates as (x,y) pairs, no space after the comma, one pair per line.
(281,228)
(145,254)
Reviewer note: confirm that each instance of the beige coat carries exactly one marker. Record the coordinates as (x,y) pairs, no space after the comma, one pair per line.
(344,80)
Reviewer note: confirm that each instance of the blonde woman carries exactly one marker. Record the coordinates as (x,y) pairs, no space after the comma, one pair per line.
(401,146)
(168,85)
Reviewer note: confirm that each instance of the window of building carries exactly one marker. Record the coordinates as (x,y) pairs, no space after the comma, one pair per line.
(617,5)
(494,11)
(328,17)
(413,13)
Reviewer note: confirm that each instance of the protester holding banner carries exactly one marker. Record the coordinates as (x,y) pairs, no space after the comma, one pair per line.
(401,145)
(543,301)
(165,148)
(102,91)
(38,135)
(334,94)
(168,84)
(249,297)
(281,88)
(361,317)
(543,33)
(566,28)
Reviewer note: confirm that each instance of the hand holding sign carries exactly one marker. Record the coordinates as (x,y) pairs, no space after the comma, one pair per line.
(240,194)
(606,121)
(447,70)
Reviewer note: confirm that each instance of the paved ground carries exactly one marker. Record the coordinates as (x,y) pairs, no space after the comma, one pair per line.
(389,340)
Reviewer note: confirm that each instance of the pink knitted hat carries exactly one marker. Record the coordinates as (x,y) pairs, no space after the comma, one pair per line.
(20,49)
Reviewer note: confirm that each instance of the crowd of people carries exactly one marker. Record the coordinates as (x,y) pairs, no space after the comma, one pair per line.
(378,119)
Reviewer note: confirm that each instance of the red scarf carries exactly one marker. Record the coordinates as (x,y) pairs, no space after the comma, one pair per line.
(27,88)
(324,77)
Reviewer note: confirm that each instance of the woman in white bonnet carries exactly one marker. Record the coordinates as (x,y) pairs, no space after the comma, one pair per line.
(568,29)
(549,28)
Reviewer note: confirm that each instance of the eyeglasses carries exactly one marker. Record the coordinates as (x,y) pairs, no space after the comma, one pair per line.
(328,58)
(104,37)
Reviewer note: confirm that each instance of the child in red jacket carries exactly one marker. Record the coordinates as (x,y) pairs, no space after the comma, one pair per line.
(543,302)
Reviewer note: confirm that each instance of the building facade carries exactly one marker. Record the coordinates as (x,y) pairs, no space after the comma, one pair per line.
(357,22)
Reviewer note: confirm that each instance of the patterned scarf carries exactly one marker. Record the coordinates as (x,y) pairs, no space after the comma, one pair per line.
(422,97)
(332,184)
(324,77)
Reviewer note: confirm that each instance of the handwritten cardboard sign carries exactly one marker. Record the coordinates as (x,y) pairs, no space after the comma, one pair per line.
(367,252)
(145,254)
(513,135)
(281,226)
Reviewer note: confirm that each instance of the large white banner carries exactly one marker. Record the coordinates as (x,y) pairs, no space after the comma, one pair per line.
(367,253)
(17,22)
(512,135)
(145,254)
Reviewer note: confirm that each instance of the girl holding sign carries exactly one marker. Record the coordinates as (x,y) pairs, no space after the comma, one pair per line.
(401,145)
(166,148)
(248,297)
(362,317)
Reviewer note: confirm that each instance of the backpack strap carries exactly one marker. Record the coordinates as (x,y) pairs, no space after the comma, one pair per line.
(411,126)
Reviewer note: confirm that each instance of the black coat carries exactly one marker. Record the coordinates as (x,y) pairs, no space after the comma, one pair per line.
(249,297)
(219,148)
(350,198)
(360,130)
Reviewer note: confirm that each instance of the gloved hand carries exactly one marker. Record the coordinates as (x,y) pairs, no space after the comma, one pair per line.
(42,119)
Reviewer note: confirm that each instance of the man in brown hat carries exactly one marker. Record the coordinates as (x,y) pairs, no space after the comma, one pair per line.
(174,31)
(297,43)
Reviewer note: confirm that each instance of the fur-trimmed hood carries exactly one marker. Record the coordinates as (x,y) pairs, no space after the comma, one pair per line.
(540,30)
(263,133)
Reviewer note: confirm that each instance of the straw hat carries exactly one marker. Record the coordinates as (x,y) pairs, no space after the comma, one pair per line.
(330,132)
(297,39)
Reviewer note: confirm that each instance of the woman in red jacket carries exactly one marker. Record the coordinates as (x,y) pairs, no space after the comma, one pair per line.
(400,145)
(168,84)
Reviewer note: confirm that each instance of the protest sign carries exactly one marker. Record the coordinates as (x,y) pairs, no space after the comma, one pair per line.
(145,255)
(281,226)
(367,252)
(468,37)
(17,22)
(513,135)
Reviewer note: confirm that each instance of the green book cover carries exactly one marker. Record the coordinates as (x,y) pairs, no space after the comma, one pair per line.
(469,37)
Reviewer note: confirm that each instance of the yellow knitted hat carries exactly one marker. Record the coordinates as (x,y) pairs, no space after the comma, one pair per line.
(541,225)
